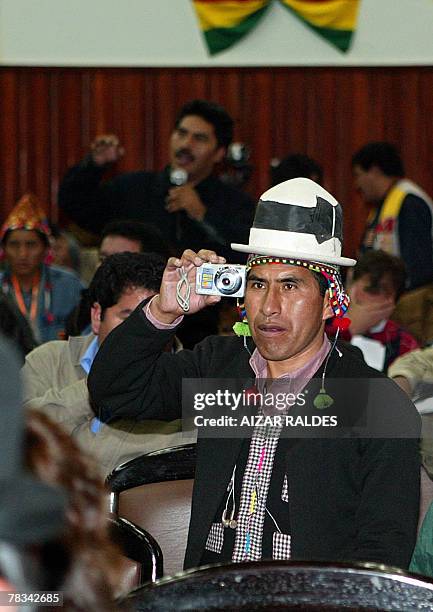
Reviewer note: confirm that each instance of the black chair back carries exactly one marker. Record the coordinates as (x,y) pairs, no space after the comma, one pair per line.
(154,491)
(277,585)
(143,556)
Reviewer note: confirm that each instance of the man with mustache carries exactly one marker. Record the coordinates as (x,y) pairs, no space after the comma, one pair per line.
(274,491)
(186,201)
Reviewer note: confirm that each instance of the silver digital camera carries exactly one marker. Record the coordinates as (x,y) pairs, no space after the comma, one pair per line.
(227,280)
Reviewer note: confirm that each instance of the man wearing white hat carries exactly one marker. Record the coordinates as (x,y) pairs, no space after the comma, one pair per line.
(262,494)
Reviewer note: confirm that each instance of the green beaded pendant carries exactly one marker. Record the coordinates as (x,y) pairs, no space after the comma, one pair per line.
(242,329)
(323,400)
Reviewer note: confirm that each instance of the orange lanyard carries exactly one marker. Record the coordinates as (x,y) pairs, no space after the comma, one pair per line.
(19,296)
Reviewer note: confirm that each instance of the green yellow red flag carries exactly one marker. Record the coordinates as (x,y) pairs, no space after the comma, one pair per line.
(335,20)
(225,22)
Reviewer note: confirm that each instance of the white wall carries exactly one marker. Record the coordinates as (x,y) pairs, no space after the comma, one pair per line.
(165,33)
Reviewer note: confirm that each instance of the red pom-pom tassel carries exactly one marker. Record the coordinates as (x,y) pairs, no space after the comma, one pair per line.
(342,323)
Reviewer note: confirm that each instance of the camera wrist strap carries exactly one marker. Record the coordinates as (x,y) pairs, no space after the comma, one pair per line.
(183,290)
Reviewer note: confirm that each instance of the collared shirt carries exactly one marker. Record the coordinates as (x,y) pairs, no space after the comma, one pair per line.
(259,365)
(86,363)
(257,475)
(157,323)
(90,354)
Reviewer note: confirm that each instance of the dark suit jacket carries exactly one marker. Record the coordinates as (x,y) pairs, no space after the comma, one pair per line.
(92,202)
(350,498)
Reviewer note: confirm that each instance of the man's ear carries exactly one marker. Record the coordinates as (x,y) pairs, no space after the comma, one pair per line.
(327,311)
(95,317)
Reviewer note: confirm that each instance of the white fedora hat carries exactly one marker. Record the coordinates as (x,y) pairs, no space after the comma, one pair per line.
(298,219)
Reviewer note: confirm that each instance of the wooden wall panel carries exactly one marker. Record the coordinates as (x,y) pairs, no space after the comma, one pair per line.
(34,132)
(49,116)
(9,139)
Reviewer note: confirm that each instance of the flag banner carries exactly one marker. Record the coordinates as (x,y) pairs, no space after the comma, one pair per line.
(225,22)
(334,20)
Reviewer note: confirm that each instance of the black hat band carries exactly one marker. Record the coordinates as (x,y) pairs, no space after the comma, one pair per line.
(324,221)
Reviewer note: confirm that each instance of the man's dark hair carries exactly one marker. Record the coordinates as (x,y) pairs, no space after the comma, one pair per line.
(123,271)
(147,235)
(378,264)
(384,155)
(293,166)
(321,281)
(214,114)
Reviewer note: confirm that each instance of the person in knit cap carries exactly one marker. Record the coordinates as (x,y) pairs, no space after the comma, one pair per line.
(45,294)
(269,484)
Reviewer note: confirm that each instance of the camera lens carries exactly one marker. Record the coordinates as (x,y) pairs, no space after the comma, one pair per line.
(228,281)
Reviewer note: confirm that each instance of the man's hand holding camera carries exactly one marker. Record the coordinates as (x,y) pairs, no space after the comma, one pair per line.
(165,307)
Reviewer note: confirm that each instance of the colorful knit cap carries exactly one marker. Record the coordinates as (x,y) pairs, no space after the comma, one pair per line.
(338,298)
(28,214)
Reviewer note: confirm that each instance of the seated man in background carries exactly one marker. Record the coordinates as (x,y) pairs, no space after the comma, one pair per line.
(132,237)
(55,374)
(378,281)
(294,166)
(118,237)
(44,294)
(186,201)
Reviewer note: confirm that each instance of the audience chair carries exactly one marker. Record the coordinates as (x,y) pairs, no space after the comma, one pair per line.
(142,555)
(154,491)
(278,585)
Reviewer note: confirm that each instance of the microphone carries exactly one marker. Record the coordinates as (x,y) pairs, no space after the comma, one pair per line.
(178,177)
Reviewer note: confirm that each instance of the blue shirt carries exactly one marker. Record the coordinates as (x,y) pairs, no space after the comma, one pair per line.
(88,357)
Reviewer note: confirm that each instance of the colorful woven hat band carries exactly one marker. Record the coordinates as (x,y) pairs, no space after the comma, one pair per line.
(338,298)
